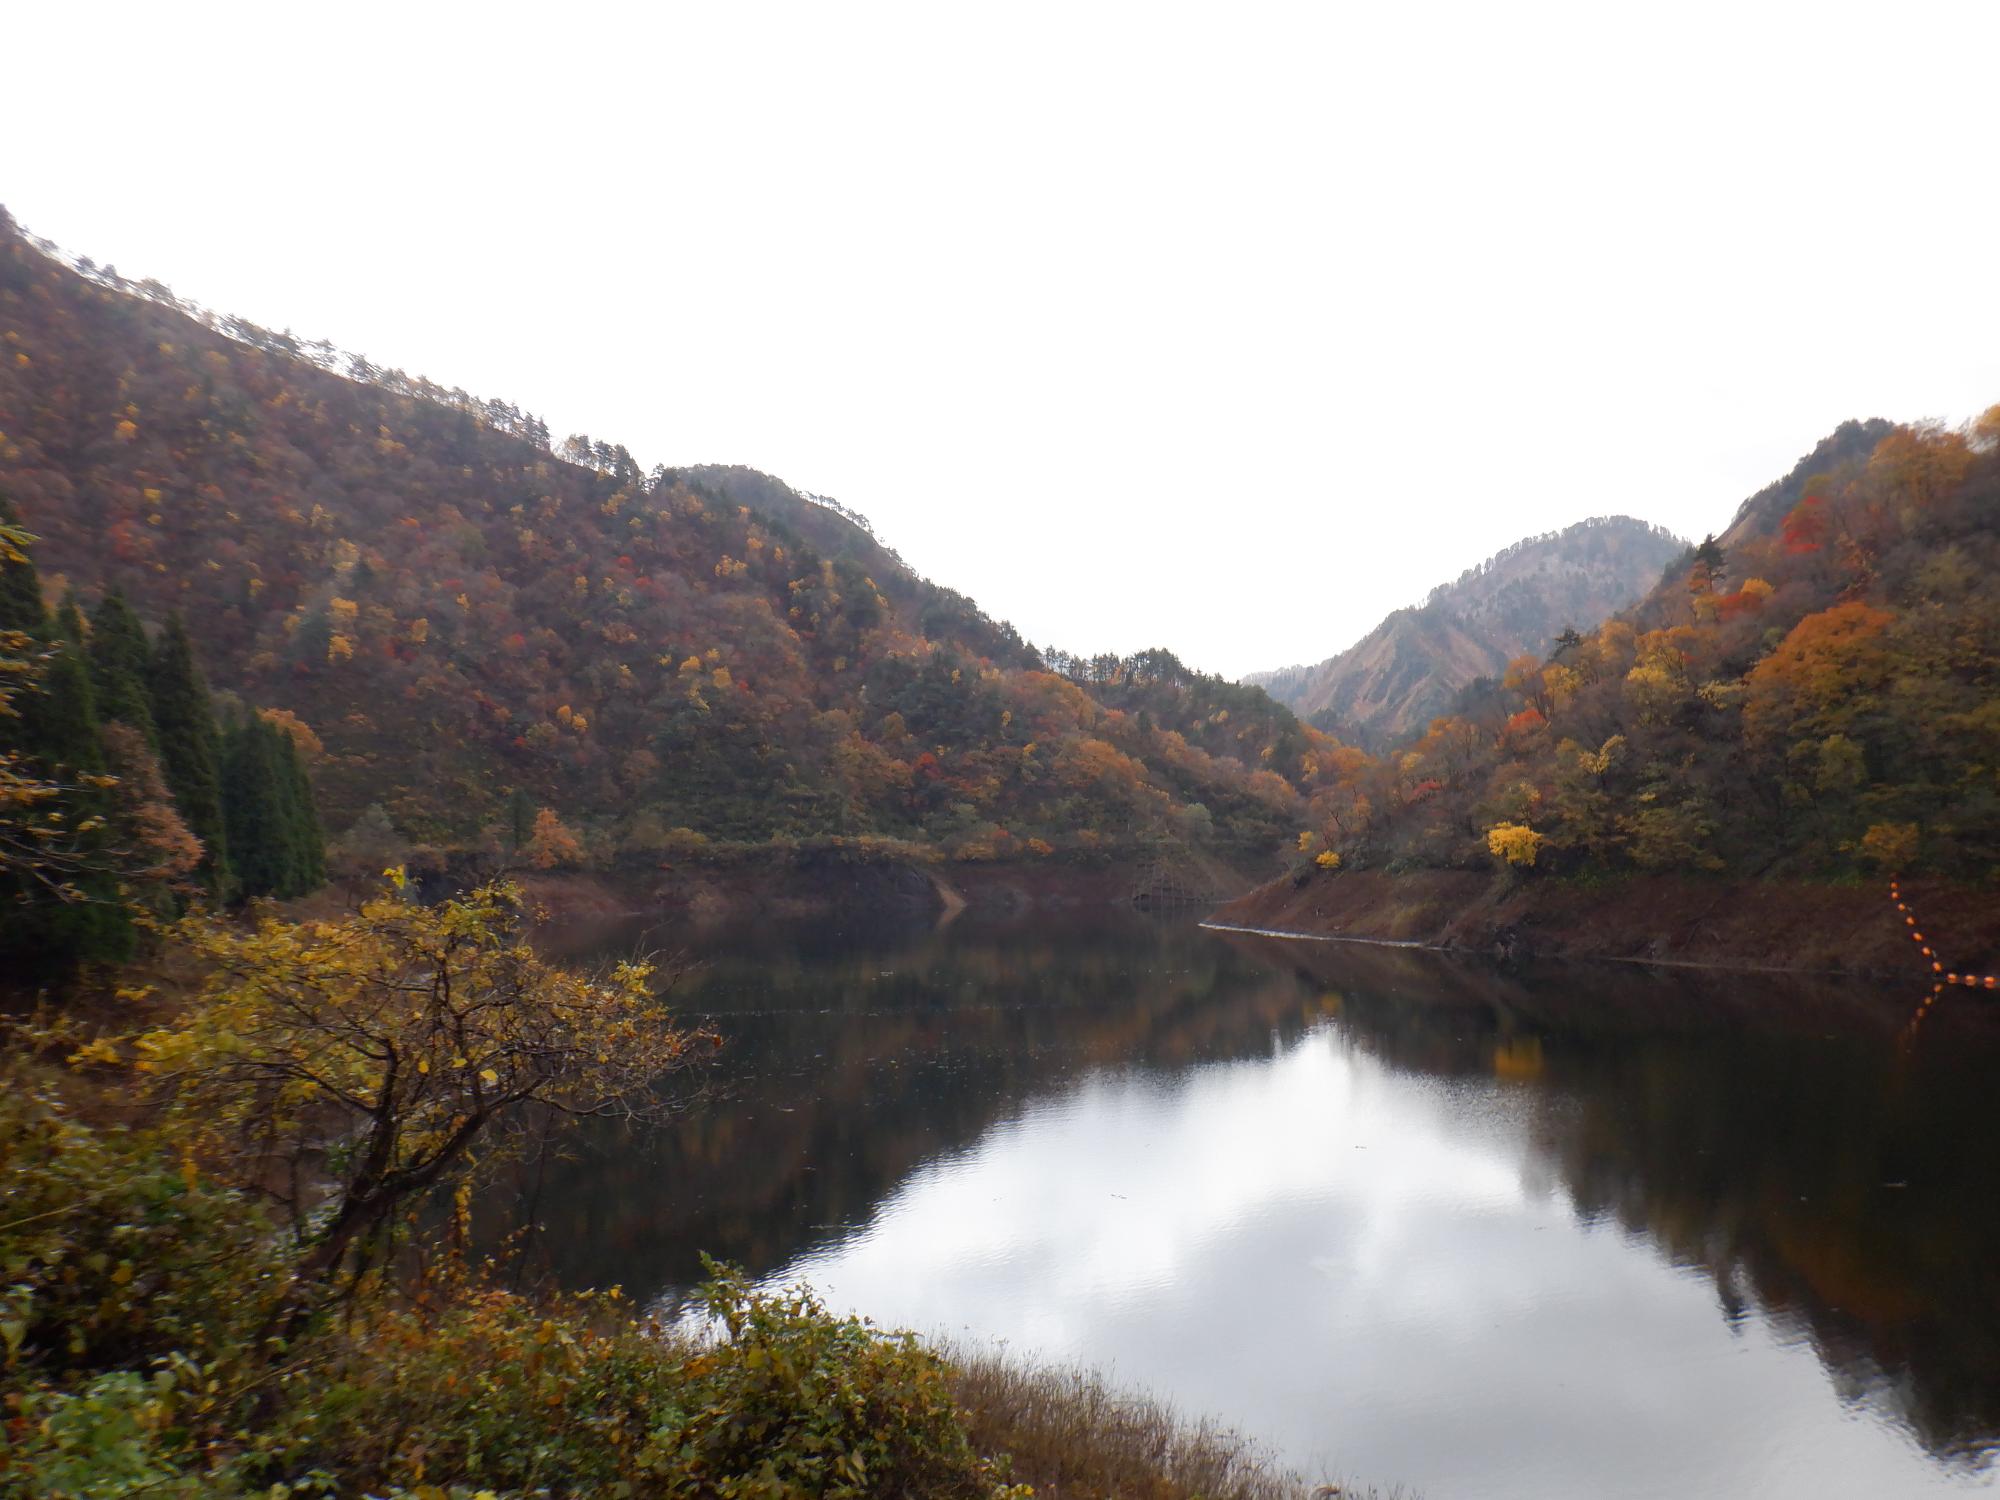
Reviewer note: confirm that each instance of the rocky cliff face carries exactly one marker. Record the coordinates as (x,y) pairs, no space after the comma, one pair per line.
(1409,668)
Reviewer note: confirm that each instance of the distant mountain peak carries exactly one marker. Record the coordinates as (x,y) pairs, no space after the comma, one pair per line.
(1408,669)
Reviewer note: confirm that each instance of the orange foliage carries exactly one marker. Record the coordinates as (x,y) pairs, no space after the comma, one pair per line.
(1827,656)
(295,729)
(552,844)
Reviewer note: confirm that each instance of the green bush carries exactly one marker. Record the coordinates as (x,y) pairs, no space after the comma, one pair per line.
(791,1401)
(518,1396)
(115,1437)
(113,1253)
(476,1386)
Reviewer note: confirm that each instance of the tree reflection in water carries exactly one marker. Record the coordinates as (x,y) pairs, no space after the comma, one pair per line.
(1789,1137)
(1769,1134)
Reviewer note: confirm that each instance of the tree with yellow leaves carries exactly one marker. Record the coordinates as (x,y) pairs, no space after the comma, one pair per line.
(1514,844)
(1891,846)
(351,1067)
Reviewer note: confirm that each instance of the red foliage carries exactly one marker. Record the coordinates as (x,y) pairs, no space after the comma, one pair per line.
(1805,527)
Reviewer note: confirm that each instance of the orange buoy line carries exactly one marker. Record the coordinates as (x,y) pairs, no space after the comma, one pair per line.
(1910,1028)
(1967,981)
(1909,1034)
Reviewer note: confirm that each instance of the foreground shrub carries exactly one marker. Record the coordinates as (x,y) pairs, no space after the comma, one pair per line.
(113,1252)
(794,1401)
(139,1296)
(578,1397)
(113,1437)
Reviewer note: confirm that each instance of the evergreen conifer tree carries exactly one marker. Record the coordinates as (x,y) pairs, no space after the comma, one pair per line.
(54,725)
(309,834)
(69,621)
(54,721)
(521,818)
(21,607)
(251,811)
(189,753)
(61,725)
(275,844)
(119,654)
(59,720)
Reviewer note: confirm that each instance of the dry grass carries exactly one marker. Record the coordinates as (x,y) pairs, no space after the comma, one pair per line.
(1073,1437)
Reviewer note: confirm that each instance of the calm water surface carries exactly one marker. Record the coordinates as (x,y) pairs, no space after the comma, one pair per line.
(1572,1231)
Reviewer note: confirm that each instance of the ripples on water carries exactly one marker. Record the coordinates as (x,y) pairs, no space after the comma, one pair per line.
(1566,1231)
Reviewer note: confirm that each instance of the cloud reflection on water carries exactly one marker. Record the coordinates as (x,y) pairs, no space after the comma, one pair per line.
(1561,1233)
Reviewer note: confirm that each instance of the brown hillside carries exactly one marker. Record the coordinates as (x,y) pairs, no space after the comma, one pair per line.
(1408,670)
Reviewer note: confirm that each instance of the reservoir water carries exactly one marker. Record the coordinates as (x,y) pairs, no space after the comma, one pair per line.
(1556,1231)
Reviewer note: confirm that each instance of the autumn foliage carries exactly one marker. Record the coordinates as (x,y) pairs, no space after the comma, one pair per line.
(465,612)
(391,1043)
(552,844)
(1835,706)
(471,617)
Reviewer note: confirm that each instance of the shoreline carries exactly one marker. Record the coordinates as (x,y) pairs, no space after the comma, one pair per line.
(1776,926)
(1716,967)
(716,893)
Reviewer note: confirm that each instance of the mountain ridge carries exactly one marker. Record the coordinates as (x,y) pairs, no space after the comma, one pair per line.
(1410,667)
(468,615)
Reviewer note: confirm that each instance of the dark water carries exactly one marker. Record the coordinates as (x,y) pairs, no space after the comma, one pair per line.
(1566,1232)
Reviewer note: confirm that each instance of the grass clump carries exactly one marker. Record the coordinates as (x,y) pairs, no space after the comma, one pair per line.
(1074,1437)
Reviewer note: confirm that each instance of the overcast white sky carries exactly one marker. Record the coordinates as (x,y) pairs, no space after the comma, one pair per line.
(1225,328)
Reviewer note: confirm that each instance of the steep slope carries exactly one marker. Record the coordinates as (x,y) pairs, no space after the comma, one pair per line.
(1817,693)
(469,620)
(1408,670)
(1763,514)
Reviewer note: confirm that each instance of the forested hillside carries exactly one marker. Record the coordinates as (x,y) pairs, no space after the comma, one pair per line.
(1816,691)
(1411,667)
(475,626)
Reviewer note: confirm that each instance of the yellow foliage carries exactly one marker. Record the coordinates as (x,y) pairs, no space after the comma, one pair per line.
(386,1042)
(1515,843)
(295,729)
(1327,860)
(1561,682)
(1892,846)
